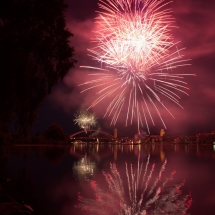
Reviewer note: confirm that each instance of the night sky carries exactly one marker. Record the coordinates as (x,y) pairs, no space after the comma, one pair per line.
(195,19)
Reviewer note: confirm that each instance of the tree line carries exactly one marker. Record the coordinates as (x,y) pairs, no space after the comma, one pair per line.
(35,55)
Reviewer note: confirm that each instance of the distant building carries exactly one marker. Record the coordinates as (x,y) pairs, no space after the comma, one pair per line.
(115,133)
(205,137)
(162,133)
(154,138)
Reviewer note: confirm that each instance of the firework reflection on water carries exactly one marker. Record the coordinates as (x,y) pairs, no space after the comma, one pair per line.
(138,193)
(84,168)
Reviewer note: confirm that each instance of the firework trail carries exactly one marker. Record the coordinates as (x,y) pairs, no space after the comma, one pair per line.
(85,120)
(137,53)
(139,195)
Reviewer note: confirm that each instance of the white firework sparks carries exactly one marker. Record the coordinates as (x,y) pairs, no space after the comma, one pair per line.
(137,51)
(85,120)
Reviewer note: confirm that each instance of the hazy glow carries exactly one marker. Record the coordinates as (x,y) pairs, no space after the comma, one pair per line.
(137,53)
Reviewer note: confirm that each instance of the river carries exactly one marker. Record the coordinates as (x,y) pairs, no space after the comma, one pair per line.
(50,178)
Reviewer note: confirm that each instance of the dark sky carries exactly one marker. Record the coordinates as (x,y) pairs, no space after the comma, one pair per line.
(195,19)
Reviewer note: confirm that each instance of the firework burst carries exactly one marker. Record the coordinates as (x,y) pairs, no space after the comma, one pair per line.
(85,120)
(138,195)
(137,53)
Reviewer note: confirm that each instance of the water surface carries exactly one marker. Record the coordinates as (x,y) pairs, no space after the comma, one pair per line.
(50,178)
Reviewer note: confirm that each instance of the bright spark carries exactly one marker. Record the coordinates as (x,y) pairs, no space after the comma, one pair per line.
(134,43)
(85,120)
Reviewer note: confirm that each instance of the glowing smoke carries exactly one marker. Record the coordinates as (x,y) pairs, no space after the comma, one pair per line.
(137,53)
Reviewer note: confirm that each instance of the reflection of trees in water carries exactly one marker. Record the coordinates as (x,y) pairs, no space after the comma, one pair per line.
(53,154)
(9,151)
(137,193)
(4,152)
(22,185)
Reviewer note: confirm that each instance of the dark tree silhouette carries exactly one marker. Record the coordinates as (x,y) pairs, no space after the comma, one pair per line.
(55,132)
(34,56)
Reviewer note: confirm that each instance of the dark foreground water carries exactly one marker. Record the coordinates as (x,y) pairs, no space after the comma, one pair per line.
(50,178)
